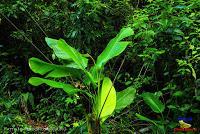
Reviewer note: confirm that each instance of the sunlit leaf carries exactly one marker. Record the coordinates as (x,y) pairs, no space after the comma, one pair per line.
(106,100)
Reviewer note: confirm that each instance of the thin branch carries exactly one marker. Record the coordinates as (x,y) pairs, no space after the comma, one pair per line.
(36,23)
(140,70)
(91,58)
(26,38)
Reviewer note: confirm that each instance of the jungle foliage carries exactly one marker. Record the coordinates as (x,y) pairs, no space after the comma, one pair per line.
(153,49)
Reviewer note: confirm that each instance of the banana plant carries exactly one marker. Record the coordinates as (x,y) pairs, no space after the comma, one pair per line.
(99,89)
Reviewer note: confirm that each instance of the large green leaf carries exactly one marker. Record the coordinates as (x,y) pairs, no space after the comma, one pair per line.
(69,89)
(52,70)
(63,51)
(125,98)
(106,100)
(78,58)
(115,47)
(153,101)
(53,44)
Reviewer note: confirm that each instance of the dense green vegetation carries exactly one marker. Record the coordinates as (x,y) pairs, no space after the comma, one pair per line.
(60,61)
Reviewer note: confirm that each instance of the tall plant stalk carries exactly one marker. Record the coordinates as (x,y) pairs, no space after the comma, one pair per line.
(93,125)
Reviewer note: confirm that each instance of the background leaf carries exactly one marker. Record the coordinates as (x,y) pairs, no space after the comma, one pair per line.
(145,119)
(153,101)
(125,98)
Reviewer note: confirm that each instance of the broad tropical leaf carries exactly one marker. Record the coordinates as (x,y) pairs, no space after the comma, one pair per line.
(115,47)
(125,98)
(53,44)
(52,70)
(154,102)
(78,58)
(69,89)
(106,100)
